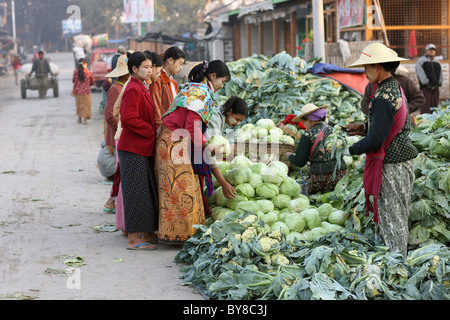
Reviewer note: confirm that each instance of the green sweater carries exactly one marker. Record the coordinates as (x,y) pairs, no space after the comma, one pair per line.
(321,162)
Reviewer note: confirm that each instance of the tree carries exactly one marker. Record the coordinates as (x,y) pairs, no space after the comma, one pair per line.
(179,17)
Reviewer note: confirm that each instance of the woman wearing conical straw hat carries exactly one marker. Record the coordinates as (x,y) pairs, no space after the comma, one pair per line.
(388,171)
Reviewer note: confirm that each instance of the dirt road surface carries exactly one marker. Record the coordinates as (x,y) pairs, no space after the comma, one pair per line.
(52,197)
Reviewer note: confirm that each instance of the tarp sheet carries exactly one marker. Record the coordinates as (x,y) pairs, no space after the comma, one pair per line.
(353,79)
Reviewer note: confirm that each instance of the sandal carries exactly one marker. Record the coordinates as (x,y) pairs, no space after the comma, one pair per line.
(138,247)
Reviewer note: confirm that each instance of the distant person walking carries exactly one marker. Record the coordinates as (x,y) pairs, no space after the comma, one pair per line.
(82,81)
(16,63)
(41,67)
(429,73)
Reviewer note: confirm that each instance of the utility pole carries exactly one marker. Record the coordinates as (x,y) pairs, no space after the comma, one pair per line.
(13,18)
(319,29)
(139,17)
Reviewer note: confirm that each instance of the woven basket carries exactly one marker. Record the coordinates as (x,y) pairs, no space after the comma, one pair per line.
(255,150)
(289,132)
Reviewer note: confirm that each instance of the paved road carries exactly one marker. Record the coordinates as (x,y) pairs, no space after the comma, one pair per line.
(51,197)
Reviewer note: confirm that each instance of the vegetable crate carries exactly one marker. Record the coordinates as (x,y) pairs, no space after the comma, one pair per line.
(264,152)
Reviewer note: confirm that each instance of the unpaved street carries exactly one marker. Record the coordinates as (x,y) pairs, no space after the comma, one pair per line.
(51,197)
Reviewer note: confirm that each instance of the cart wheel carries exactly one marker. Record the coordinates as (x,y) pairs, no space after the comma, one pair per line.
(55,89)
(23,88)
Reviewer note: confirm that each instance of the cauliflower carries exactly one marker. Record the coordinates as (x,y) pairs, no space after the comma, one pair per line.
(250,219)
(249,234)
(278,259)
(275,234)
(267,243)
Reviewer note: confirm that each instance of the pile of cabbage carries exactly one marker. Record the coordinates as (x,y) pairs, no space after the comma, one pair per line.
(264,131)
(275,198)
(274,87)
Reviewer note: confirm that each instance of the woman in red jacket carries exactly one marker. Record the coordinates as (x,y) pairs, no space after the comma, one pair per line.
(136,150)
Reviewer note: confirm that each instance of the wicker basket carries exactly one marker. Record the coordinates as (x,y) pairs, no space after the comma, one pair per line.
(255,150)
(289,132)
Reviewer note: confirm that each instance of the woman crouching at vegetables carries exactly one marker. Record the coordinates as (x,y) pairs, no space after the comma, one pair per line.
(232,113)
(311,147)
(388,169)
(183,155)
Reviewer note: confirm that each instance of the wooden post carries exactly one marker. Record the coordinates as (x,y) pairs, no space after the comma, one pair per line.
(236,41)
(261,37)
(293,34)
(249,40)
(368,31)
(276,41)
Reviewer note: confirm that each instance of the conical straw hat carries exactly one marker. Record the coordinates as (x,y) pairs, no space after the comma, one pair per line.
(376,53)
(307,109)
(121,68)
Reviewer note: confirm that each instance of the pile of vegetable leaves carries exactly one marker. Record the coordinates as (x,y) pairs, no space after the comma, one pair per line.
(277,86)
(225,265)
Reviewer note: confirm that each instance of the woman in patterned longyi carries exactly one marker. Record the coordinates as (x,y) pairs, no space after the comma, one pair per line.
(82,81)
(182,155)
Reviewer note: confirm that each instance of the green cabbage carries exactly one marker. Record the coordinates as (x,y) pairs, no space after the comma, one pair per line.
(260,132)
(312,218)
(275,175)
(279,164)
(281,201)
(267,190)
(245,189)
(295,222)
(337,217)
(282,216)
(219,140)
(265,205)
(251,206)
(290,187)
(299,204)
(281,226)
(232,203)
(324,211)
(218,213)
(247,126)
(255,180)
(295,235)
(219,197)
(258,167)
(240,160)
(287,140)
(224,166)
(269,218)
(330,227)
(265,123)
(238,175)
(316,233)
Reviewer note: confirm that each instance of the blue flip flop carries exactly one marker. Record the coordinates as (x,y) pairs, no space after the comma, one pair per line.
(138,247)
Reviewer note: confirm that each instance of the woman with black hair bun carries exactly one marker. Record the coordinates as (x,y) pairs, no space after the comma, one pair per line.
(136,150)
(184,157)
